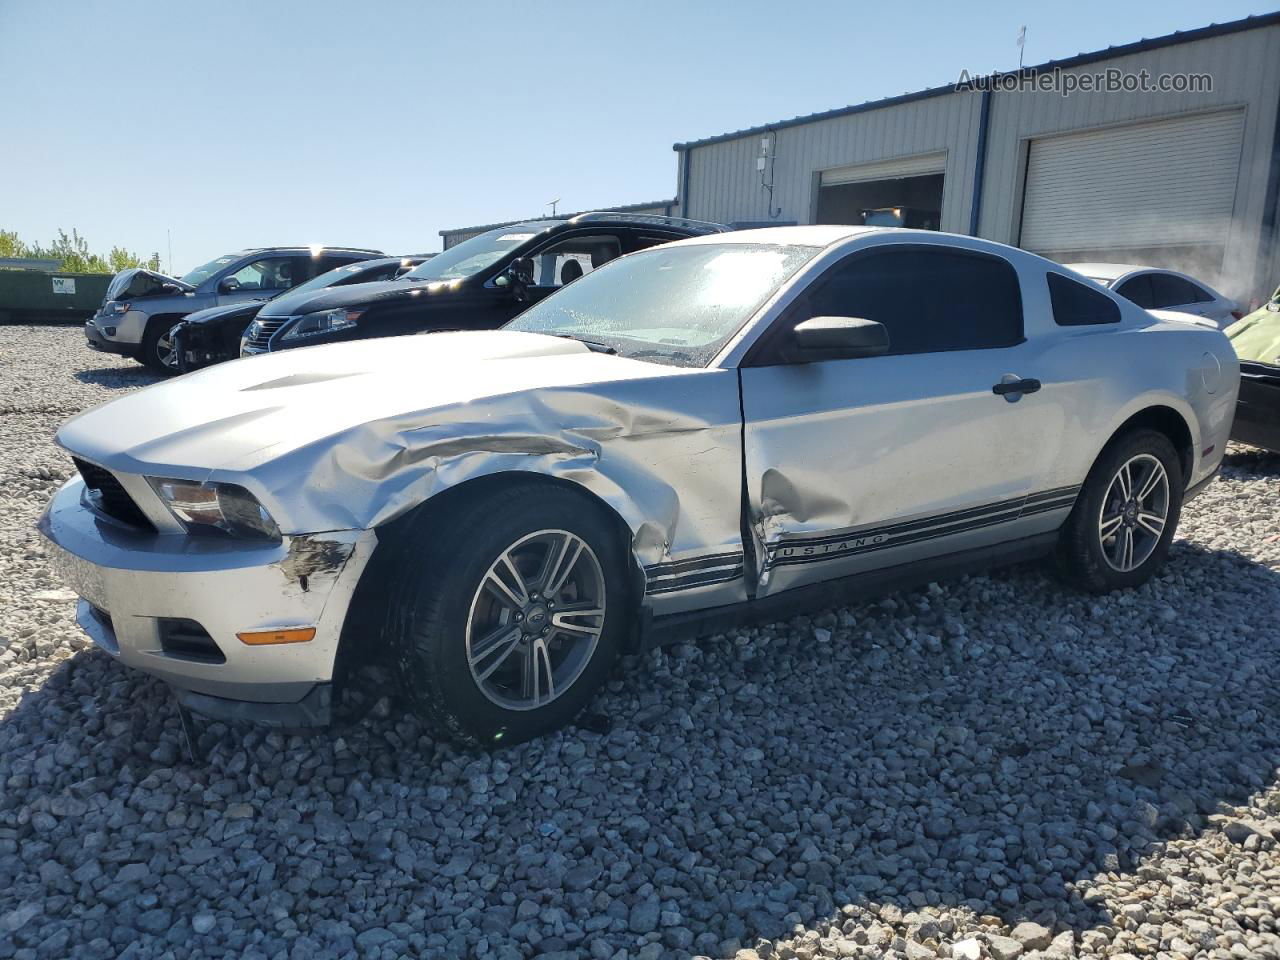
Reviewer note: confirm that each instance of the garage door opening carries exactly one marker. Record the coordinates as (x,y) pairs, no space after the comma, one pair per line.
(898,202)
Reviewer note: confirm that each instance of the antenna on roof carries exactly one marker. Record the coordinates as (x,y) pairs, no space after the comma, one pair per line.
(1022,42)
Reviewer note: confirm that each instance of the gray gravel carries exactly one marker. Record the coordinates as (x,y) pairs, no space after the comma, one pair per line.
(995,767)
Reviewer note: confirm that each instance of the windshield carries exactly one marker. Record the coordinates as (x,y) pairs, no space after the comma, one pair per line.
(471,256)
(674,305)
(200,274)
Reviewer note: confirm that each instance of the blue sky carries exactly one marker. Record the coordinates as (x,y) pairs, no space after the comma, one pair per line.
(237,124)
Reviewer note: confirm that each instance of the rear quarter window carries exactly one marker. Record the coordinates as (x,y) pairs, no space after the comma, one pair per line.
(1076,304)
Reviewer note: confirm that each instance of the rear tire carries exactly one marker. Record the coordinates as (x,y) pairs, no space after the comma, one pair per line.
(1119,532)
(489,659)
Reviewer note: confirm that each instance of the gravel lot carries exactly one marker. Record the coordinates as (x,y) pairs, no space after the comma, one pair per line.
(989,768)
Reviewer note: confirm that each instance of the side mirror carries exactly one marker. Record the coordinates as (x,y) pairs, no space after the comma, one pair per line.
(228,285)
(839,338)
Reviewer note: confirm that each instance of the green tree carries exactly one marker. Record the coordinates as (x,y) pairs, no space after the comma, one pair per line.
(10,245)
(74,253)
(122,259)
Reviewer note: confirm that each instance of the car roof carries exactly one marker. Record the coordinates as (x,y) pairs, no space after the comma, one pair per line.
(308,248)
(821,235)
(374,262)
(827,235)
(1109,271)
(607,218)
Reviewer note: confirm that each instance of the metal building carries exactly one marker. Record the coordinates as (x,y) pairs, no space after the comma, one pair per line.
(1183,177)
(457,234)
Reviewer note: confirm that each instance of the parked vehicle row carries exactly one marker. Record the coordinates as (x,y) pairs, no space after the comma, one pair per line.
(142,306)
(672,438)
(478,284)
(214,335)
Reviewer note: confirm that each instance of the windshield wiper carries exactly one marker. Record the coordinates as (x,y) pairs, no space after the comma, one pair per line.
(595,345)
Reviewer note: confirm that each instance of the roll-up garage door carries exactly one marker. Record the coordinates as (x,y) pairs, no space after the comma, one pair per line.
(1168,184)
(886,169)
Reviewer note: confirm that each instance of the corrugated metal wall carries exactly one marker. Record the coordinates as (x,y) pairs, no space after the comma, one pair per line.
(1246,72)
(725,186)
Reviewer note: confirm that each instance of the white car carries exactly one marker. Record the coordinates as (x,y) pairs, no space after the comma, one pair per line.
(723,428)
(1153,288)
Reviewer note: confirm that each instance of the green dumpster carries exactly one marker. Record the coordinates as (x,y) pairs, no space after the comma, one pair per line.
(34,296)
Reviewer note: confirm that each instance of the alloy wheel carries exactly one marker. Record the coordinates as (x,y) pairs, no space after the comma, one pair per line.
(165,353)
(535,619)
(1134,512)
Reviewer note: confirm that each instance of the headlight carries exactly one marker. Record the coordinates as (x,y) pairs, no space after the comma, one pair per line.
(114,308)
(326,321)
(206,507)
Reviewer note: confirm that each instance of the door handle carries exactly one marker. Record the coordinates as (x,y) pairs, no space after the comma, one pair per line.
(1007,387)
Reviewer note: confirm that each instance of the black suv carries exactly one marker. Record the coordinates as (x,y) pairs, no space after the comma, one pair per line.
(478,284)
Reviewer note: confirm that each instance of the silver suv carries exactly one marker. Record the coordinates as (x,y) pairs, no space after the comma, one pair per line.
(142,306)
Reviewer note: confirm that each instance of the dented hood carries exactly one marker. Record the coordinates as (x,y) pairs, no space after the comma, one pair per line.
(140,282)
(351,405)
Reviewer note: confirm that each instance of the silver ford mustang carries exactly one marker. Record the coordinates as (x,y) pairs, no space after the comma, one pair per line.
(723,428)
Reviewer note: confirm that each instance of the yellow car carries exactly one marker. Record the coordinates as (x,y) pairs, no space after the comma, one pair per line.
(1256,340)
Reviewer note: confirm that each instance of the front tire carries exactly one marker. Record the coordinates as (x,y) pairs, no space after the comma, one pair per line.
(507,613)
(157,351)
(1119,532)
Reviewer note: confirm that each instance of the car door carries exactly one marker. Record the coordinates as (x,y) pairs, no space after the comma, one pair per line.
(261,278)
(858,464)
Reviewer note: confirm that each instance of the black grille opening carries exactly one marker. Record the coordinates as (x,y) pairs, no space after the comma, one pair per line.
(188,640)
(262,331)
(110,497)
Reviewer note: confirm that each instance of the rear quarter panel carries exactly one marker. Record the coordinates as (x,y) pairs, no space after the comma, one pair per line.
(1101,376)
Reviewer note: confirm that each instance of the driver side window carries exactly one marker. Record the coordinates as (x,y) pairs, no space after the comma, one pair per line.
(270,273)
(929,300)
(564,261)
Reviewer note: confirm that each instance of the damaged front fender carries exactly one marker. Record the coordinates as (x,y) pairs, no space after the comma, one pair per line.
(665,457)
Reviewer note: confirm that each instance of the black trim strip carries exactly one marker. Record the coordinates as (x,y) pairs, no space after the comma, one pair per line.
(1073,492)
(675,575)
(1066,503)
(699,579)
(869,539)
(908,526)
(917,537)
(692,563)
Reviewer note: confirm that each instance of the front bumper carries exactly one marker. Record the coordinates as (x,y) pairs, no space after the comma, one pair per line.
(98,340)
(134,585)
(1257,420)
(202,345)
